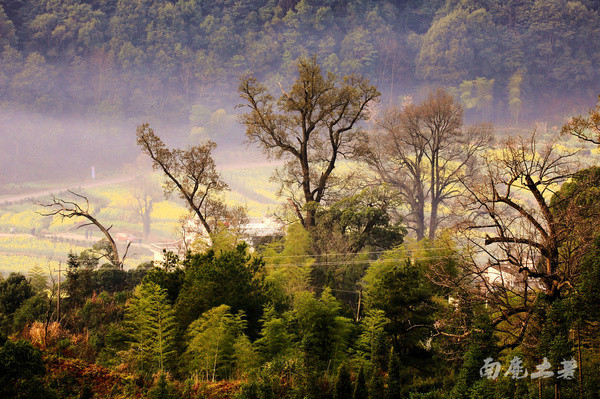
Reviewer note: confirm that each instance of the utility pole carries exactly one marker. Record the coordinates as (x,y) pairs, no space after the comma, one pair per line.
(358,307)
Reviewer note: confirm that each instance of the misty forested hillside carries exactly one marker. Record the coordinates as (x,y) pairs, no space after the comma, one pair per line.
(109,64)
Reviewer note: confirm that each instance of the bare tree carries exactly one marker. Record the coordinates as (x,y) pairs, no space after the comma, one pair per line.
(524,244)
(144,191)
(70,209)
(424,152)
(191,172)
(312,125)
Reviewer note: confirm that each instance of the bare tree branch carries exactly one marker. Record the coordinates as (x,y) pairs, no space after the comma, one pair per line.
(70,209)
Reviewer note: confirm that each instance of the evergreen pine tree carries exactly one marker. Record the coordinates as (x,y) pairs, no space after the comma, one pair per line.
(38,278)
(162,389)
(152,322)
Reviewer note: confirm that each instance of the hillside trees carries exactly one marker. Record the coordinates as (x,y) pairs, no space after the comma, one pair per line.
(555,35)
(312,125)
(155,49)
(232,278)
(424,152)
(7,30)
(122,59)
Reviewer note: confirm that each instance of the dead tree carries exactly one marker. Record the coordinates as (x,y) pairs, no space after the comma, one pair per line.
(70,209)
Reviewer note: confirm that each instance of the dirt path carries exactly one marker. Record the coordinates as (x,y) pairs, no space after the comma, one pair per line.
(57,189)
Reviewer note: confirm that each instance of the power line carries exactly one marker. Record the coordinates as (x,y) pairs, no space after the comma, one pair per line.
(346,254)
(348,262)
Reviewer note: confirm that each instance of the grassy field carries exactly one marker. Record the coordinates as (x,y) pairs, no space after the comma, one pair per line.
(112,205)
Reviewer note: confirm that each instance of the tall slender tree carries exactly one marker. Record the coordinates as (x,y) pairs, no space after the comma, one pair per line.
(152,323)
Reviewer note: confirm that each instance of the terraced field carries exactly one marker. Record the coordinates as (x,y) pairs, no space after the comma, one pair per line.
(22,247)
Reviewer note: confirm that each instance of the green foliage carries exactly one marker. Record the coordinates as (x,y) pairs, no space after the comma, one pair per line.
(84,278)
(377,384)
(232,278)
(275,341)
(394,384)
(515,103)
(361,220)
(101,312)
(214,343)
(322,331)
(285,278)
(21,372)
(162,389)
(400,290)
(576,198)
(38,279)
(14,291)
(152,324)
(446,53)
(585,303)
(481,346)
(373,341)
(170,280)
(477,94)
(555,339)
(36,308)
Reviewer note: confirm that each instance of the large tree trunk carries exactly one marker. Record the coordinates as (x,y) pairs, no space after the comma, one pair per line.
(433,220)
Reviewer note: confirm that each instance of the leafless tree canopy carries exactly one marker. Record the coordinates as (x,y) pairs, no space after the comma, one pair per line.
(515,227)
(70,209)
(311,125)
(424,151)
(191,173)
(144,191)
